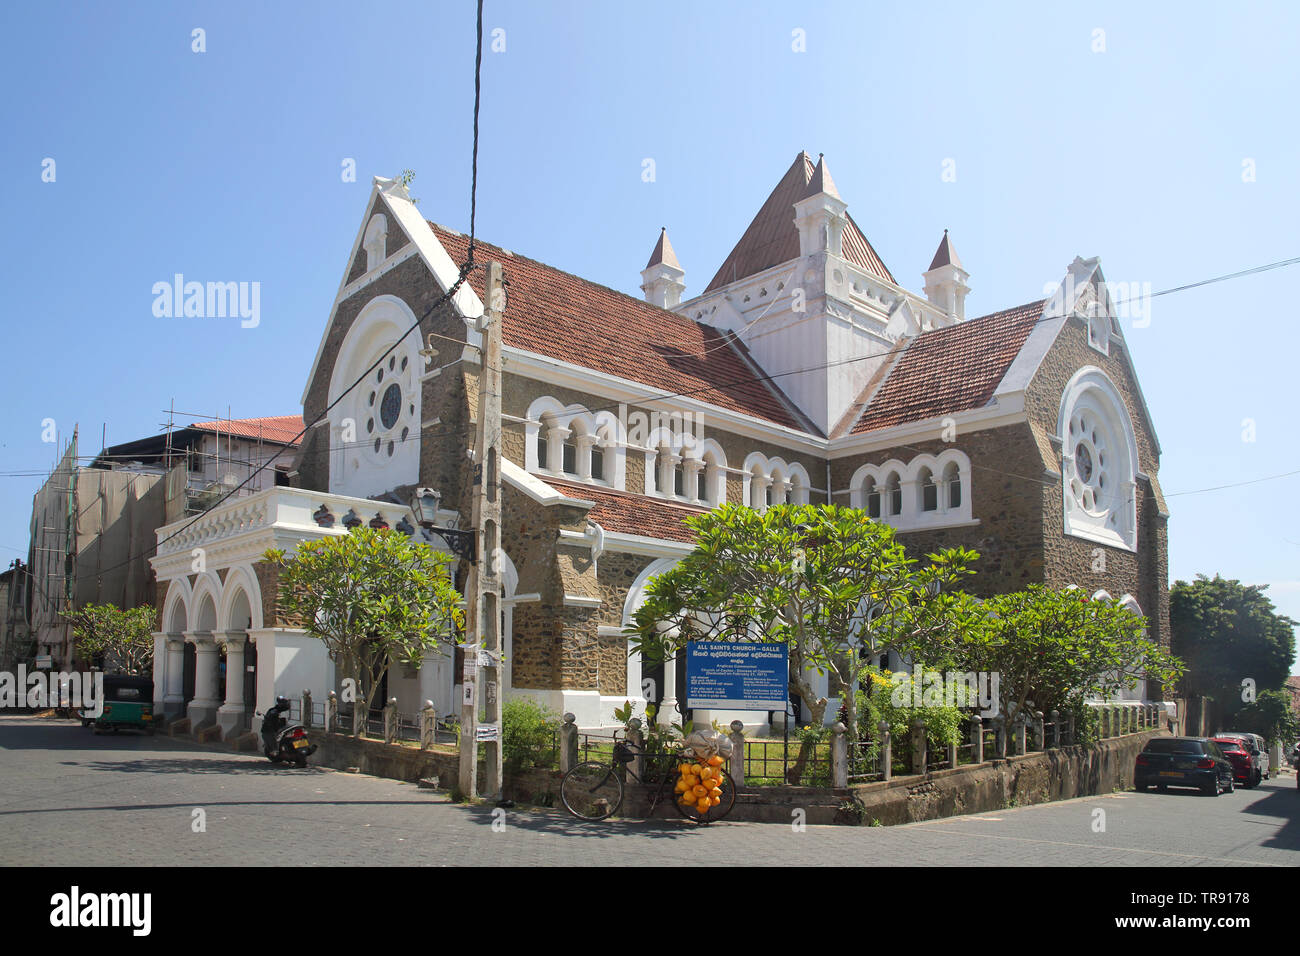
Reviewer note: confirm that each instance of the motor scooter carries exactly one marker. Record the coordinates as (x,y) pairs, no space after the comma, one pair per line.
(283,742)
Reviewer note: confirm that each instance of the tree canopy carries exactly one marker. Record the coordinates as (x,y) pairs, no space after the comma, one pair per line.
(1229,633)
(115,639)
(372,597)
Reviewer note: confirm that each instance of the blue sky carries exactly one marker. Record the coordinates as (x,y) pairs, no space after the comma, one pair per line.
(226,165)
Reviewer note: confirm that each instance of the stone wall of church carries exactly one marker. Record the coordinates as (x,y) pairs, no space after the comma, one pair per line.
(1093,566)
(1006,496)
(519,393)
(413,284)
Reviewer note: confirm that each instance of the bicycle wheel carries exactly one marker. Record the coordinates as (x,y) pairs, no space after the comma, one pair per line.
(726,801)
(591,791)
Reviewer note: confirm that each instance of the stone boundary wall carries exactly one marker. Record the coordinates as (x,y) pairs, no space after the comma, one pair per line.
(1042,777)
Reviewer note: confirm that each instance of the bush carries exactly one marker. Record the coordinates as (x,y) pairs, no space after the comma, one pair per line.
(528,734)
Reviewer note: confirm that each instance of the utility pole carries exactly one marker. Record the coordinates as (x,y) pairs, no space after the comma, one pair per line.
(483,605)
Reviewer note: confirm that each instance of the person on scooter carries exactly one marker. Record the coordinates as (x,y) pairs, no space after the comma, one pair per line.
(273,723)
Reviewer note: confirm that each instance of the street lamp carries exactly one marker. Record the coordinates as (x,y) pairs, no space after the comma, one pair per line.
(424,505)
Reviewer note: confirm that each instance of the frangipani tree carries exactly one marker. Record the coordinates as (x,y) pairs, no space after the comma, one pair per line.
(827,581)
(119,639)
(1058,647)
(372,597)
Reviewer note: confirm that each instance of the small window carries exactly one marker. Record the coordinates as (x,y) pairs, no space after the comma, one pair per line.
(702,485)
(894,494)
(872,495)
(659,479)
(679,480)
(597,462)
(543,447)
(952,479)
(929,491)
(570,458)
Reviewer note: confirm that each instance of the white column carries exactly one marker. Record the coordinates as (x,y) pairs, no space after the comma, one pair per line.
(758,486)
(231,714)
(668,703)
(583,455)
(555,436)
(203,708)
(690,481)
(174,692)
(780,488)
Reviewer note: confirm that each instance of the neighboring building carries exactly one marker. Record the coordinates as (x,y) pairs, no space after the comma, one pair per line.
(15,633)
(93,527)
(1292,688)
(804,372)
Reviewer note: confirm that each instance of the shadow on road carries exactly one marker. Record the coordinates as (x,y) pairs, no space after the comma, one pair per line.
(562,824)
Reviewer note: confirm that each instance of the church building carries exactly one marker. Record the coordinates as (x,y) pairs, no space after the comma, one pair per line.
(803,372)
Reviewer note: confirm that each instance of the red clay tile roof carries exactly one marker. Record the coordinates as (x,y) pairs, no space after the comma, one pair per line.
(772,238)
(569,318)
(282,429)
(949,370)
(627,513)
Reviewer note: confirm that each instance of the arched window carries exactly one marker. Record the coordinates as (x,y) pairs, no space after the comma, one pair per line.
(1098,461)
(928,490)
(893,495)
(871,495)
(543,445)
(569,456)
(952,486)
(376,241)
(597,462)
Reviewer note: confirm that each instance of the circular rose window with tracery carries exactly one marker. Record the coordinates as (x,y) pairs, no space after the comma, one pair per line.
(1091,483)
(390,407)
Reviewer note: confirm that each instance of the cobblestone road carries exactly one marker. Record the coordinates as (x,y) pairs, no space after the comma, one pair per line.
(68,797)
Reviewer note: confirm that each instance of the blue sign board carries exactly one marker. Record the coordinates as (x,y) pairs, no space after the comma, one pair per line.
(725,676)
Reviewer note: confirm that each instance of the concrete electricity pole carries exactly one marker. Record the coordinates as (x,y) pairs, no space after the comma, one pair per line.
(483,604)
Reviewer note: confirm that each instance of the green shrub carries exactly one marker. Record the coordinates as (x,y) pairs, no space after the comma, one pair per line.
(528,734)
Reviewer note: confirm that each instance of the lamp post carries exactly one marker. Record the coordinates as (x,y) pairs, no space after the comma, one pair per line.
(424,505)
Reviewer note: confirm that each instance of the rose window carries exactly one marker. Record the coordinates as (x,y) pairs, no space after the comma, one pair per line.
(1091,483)
(386,423)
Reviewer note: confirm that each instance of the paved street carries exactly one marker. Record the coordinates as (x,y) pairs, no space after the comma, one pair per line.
(68,797)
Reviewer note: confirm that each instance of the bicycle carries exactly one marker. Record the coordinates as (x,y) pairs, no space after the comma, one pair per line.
(594,790)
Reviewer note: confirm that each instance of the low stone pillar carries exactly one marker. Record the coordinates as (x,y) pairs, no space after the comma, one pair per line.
(1000,738)
(1040,731)
(1070,737)
(359,707)
(737,763)
(1056,728)
(951,753)
(428,725)
(331,713)
(918,746)
(306,708)
(839,756)
(977,739)
(1020,735)
(568,743)
(886,751)
(636,743)
(390,720)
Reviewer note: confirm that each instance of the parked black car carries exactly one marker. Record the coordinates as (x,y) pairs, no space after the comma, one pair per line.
(1183,762)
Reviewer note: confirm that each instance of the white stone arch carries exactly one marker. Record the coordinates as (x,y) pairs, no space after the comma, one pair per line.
(631,604)
(1101,595)
(546,414)
(207,587)
(894,469)
(179,594)
(1099,461)
(857,484)
(800,484)
(713,461)
(240,579)
(358,466)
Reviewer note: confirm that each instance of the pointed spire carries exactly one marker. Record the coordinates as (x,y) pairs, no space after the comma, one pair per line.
(945,255)
(821,181)
(663,253)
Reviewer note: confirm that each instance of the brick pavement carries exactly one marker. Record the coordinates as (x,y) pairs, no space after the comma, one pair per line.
(69,797)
